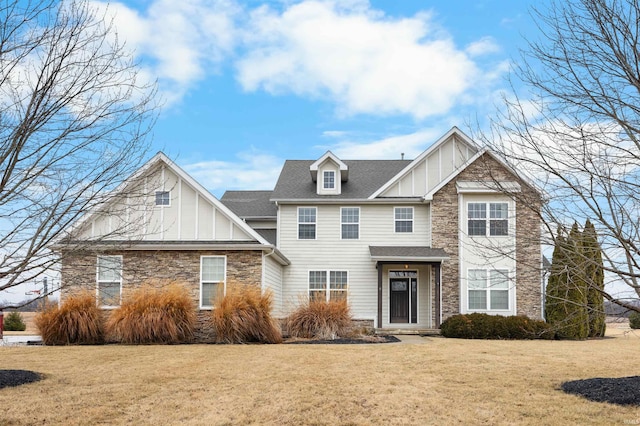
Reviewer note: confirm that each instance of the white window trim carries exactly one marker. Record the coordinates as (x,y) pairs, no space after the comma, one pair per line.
(413,216)
(325,181)
(487,219)
(155,198)
(328,282)
(315,237)
(105,281)
(224,282)
(349,223)
(510,288)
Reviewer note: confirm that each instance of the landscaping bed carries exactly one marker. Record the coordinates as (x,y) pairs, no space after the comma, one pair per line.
(10,378)
(622,390)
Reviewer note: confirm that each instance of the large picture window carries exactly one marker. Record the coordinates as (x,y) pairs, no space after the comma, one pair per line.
(350,223)
(328,285)
(307,223)
(109,281)
(488,289)
(498,219)
(403,217)
(212,279)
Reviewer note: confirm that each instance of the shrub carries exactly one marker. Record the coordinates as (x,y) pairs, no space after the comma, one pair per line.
(154,313)
(14,322)
(318,319)
(634,320)
(243,315)
(77,321)
(484,326)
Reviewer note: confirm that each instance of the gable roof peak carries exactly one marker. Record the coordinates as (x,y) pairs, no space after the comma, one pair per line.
(344,169)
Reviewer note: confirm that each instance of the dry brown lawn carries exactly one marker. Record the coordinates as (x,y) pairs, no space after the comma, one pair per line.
(436,381)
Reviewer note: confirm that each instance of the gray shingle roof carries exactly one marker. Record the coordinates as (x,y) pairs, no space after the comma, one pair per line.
(269,234)
(400,253)
(365,177)
(250,203)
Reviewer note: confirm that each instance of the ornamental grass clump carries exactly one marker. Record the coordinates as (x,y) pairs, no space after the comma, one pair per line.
(77,321)
(155,313)
(243,315)
(319,319)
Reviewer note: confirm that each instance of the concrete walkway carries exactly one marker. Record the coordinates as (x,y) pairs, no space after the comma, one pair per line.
(413,339)
(13,340)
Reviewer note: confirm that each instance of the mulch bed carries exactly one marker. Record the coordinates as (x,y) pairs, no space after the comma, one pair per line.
(622,391)
(344,341)
(18,377)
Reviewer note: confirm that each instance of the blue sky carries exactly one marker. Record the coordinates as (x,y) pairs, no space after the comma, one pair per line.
(246,85)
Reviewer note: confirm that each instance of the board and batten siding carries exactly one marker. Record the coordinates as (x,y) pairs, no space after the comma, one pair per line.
(431,170)
(272,281)
(330,253)
(190,216)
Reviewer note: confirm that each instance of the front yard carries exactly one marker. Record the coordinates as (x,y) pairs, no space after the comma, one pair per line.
(438,381)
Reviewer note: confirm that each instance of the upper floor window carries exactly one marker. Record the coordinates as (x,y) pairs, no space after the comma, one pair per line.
(329,179)
(163,198)
(403,219)
(212,279)
(328,285)
(109,280)
(350,223)
(306,223)
(488,289)
(498,219)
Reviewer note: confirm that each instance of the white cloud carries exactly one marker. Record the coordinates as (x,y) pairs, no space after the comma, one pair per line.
(253,170)
(345,52)
(360,59)
(484,46)
(389,148)
(180,42)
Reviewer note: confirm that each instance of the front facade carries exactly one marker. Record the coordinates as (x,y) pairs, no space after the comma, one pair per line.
(407,243)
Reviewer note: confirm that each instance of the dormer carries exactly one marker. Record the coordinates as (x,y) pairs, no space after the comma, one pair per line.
(328,172)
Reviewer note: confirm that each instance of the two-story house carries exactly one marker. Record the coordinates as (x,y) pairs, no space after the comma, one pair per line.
(406,242)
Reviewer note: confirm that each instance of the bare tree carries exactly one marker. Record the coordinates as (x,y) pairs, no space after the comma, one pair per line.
(577,129)
(74,119)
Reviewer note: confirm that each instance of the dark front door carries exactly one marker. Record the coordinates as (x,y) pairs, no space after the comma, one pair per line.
(399,300)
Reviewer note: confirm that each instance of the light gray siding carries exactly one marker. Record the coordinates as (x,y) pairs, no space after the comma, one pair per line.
(329,252)
(272,281)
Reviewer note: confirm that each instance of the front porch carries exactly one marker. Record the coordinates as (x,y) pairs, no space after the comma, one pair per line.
(409,288)
(407,331)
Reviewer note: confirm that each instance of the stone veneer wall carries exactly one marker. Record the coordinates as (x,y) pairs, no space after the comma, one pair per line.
(444,234)
(244,267)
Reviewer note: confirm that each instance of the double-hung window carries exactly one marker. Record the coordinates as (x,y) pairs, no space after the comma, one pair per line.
(329,179)
(212,279)
(307,223)
(498,219)
(163,198)
(350,223)
(488,289)
(403,217)
(328,285)
(109,281)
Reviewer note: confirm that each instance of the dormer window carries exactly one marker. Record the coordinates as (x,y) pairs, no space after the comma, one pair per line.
(329,179)
(329,173)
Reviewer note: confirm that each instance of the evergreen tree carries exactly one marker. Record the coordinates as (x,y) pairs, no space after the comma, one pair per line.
(566,294)
(576,321)
(594,277)
(553,311)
